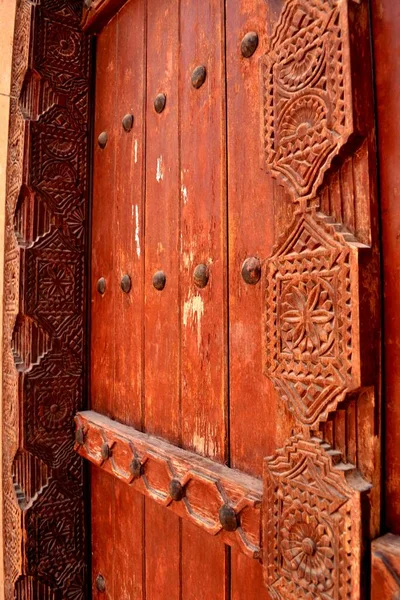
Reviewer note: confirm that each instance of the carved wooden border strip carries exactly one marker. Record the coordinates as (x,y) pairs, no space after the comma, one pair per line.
(208,494)
(44,303)
(316,302)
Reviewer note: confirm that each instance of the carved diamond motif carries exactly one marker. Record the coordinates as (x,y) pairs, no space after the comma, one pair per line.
(306,89)
(312,332)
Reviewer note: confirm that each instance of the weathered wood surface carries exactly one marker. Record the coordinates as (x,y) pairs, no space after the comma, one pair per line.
(155,468)
(386,27)
(385,575)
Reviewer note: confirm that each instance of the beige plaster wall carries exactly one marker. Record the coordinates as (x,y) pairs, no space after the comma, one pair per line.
(7,17)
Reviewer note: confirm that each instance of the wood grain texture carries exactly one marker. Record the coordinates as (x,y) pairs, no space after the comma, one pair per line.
(206,485)
(385,576)
(162,339)
(204,388)
(386,26)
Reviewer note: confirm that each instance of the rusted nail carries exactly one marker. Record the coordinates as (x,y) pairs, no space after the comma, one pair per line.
(102,139)
(80,436)
(175,490)
(136,468)
(126,284)
(105,451)
(249,44)
(127,122)
(159,280)
(100,583)
(199,76)
(228,518)
(201,275)
(251,270)
(159,103)
(101,285)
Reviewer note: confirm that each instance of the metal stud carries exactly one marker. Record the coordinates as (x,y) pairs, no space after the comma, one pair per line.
(100,583)
(249,44)
(228,518)
(136,468)
(199,76)
(126,284)
(101,285)
(175,490)
(251,270)
(102,139)
(87,4)
(159,103)
(159,280)
(105,451)
(127,122)
(80,436)
(201,275)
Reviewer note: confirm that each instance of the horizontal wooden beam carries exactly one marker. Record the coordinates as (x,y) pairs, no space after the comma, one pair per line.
(220,500)
(98,13)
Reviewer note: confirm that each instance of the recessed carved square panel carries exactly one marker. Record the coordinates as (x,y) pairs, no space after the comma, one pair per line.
(312,321)
(307,93)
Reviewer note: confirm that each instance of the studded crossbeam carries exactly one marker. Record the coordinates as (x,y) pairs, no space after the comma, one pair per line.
(220,500)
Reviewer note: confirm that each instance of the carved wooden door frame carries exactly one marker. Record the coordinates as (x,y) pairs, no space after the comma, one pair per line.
(46,256)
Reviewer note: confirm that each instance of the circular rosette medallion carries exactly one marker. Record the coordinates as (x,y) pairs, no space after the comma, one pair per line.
(307,549)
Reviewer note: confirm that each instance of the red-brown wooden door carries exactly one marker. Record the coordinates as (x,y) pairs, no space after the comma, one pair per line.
(197,336)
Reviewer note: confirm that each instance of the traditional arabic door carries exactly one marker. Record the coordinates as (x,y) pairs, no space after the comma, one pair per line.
(234,301)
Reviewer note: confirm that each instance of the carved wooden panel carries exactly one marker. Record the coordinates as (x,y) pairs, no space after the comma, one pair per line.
(312,528)
(152,466)
(318,141)
(44,303)
(306,89)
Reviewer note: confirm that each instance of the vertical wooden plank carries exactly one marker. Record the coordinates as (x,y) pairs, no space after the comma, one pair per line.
(128,307)
(162,415)
(250,194)
(203,241)
(102,340)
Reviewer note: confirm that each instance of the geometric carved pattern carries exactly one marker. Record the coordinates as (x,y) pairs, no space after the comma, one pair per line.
(44,303)
(312,523)
(312,321)
(307,93)
(206,485)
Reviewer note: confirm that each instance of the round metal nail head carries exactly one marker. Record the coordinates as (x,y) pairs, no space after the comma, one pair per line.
(105,451)
(127,122)
(251,270)
(126,284)
(228,518)
(199,76)
(136,468)
(175,490)
(100,583)
(201,275)
(101,285)
(249,44)
(102,139)
(159,103)
(159,280)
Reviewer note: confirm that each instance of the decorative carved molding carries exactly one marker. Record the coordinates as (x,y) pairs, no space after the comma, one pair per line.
(313,354)
(307,93)
(206,486)
(44,303)
(312,523)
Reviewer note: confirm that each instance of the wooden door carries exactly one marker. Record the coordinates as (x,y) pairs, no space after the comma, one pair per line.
(234,301)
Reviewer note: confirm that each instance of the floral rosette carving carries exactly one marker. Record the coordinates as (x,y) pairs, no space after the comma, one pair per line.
(312,331)
(311,523)
(306,90)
